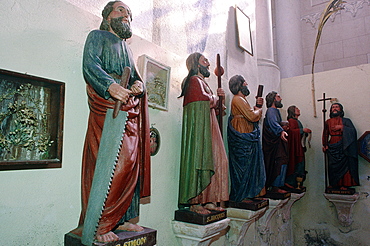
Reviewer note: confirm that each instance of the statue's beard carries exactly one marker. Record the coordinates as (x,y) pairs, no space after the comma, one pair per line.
(204,71)
(244,90)
(335,114)
(278,104)
(123,30)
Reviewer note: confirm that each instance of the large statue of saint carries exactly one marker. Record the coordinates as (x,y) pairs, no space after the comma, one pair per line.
(204,164)
(296,171)
(247,170)
(274,144)
(105,56)
(339,140)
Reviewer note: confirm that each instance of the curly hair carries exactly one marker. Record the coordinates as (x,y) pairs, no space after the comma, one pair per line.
(105,13)
(235,83)
(270,98)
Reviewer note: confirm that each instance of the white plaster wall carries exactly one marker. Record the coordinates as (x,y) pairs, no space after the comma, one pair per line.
(45,38)
(345,38)
(313,213)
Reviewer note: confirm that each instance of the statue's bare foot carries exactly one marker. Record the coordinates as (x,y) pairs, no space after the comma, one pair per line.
(212,206)
(107,237)
(199,209)
(127,226)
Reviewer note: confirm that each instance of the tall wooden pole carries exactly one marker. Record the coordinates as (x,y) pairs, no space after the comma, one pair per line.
(219,71)
(324,119)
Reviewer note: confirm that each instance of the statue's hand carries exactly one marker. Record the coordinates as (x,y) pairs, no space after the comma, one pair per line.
(284,135)
(220,92)
(259,101)
(119,93)
(306,130)
(338,127)
(137,88)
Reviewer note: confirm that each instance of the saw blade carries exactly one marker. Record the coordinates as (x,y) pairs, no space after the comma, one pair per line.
(110,145)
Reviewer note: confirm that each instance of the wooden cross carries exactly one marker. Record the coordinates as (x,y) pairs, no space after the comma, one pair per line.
(324,99)
(324,105)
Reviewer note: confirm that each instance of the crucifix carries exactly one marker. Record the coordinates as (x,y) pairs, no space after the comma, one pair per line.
(324,99)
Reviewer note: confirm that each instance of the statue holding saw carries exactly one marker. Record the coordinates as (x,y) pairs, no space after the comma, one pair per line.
(116,157)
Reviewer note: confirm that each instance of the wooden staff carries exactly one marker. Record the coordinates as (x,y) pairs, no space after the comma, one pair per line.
(219,71)
(324,119)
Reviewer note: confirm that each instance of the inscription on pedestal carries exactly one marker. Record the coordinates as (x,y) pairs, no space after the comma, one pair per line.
(347,191)
(148,237)
(185,215)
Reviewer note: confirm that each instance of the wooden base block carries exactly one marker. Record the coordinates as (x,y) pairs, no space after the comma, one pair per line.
(338,191)
(147,237)
(294,190)
(253,204)
(277,195)
(185,215)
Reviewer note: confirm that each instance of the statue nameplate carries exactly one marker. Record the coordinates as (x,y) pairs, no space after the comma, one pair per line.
(185,215)
(148,237)
(250,204)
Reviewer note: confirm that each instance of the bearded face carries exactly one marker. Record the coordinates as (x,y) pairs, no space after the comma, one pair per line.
(122,29)
(336,111)
(278,104)
(244,90)
(204,71)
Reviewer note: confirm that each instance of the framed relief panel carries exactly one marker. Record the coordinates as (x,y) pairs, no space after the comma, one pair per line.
(156,77)
(243,28)
(364,146)
(31,121)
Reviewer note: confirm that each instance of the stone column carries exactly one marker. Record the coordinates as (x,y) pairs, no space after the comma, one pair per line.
(288,38)
(268,71)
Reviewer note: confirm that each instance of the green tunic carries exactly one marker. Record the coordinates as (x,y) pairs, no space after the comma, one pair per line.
(196,168)
(204,165)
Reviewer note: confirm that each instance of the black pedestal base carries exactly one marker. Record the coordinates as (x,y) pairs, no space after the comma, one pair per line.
(277,195)
(338,191)
(147,237)
(294,190)
(253,204)
(185,215)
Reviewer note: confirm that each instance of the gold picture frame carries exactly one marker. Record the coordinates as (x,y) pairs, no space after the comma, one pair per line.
(156,77)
